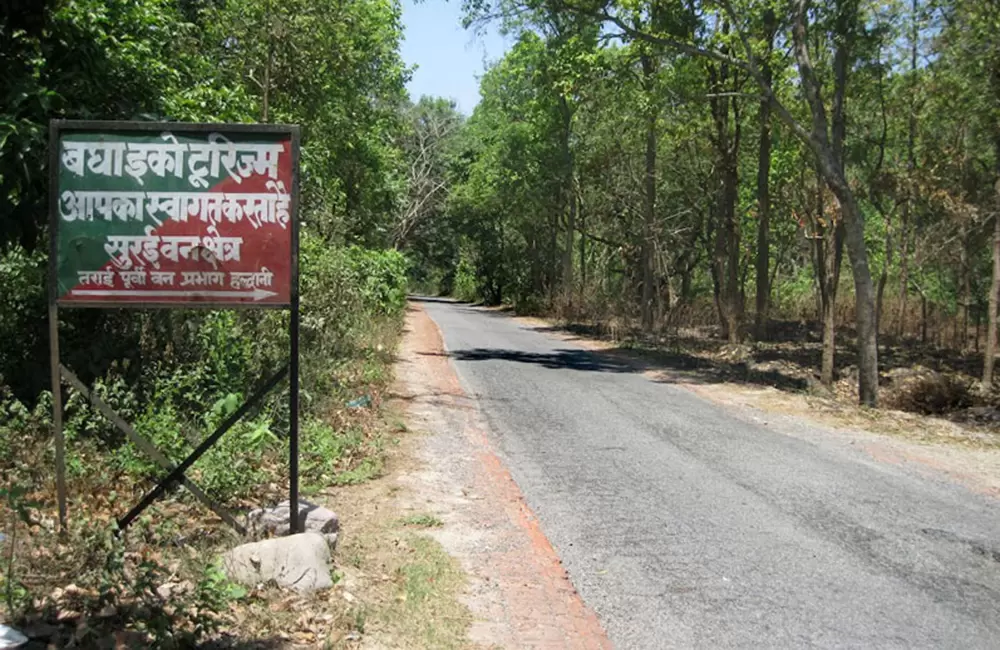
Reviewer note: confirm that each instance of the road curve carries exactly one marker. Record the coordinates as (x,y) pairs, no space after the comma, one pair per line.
(684,525)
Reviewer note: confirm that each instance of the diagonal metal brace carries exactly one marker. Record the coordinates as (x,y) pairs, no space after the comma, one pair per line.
(177,474)
(147,447)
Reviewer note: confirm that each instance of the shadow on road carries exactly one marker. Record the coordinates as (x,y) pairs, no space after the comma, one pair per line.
(557,359)
(674,367)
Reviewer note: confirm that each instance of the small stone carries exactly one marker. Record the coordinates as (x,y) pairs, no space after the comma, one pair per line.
(276,521)
(169,590)
(107,611)
(299,562)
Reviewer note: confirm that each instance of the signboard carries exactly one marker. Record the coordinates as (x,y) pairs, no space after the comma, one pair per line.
(173,214)
(145,214)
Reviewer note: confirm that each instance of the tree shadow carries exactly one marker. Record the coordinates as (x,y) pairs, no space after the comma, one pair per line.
(562,359)
(789,359)
(677,366)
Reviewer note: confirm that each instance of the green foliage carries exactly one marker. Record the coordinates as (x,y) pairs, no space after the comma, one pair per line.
(422,521)
(464,286)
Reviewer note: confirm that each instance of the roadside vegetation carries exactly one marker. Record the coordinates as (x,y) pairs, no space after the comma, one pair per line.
(174,375)
(800,195)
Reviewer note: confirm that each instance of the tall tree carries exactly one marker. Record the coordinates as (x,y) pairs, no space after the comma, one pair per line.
(763,261)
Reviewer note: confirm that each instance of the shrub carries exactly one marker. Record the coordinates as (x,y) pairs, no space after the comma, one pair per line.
(925,391)
(465,286)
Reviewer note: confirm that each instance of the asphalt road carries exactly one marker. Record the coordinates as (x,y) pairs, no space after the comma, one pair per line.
(686,525)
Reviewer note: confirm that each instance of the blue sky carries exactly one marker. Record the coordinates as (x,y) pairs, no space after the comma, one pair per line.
(448,57)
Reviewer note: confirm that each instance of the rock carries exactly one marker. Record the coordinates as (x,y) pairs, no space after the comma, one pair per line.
(170,590)
(11,638)
(277,520)
(299,562)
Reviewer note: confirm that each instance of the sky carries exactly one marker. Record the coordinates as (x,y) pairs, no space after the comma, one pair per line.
(448,58)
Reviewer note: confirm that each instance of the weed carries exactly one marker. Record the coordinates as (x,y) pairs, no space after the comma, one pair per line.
(423,521)
(369,468)
(425,604)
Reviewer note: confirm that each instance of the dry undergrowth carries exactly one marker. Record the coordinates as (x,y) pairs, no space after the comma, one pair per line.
(160,584)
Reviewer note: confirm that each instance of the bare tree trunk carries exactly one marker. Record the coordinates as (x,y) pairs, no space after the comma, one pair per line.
(990,351)
(911,165)
(763,298)
(828,247)
(854,234)
(827,365)
(649,197)
(568,253)
(569,201)
(966,288)
(923,318)
(730,196)
(583,244)
(904,267)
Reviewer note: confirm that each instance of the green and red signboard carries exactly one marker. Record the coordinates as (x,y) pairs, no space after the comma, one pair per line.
(172,214)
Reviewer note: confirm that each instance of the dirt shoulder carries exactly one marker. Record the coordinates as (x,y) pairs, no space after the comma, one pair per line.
(931,445)
(517,591)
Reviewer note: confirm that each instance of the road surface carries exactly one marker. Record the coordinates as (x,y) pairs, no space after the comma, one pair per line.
(684,525)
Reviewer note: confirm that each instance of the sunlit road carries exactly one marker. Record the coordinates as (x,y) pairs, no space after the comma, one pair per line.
(684,525)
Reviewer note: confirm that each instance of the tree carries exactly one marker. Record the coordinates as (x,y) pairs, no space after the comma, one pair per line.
(428,144)
(818,137)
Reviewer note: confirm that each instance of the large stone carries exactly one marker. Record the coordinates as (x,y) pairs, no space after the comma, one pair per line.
(300,562)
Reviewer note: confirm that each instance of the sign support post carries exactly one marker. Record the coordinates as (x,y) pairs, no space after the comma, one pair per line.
(57,414)
(293,363)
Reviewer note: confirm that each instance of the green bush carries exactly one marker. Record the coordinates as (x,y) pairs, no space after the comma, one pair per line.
(465,286)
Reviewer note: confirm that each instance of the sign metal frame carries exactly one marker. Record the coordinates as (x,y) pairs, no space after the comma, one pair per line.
(175,475)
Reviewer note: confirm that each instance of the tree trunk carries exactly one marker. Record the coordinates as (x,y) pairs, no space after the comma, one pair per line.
(827,365)
(733,294)
(880,294)
(583,245)
(568,253)
(904,267)
(864,288)
(649,196)
(989,353)
(923,318)
(569,201)
(763,298)
(828,252)
(727,242)
(966,288)
(911,165)
(854,232)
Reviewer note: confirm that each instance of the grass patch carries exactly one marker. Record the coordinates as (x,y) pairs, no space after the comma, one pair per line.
(425,610)
(422,521)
